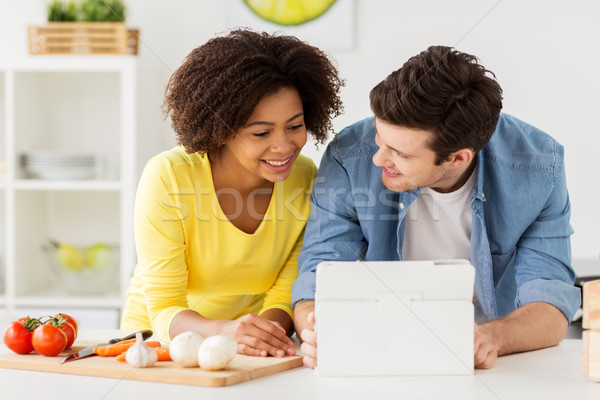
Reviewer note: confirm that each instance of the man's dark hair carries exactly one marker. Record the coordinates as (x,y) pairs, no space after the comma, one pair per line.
(214,92)
(443,91)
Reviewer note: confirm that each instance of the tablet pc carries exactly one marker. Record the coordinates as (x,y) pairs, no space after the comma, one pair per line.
(394,318)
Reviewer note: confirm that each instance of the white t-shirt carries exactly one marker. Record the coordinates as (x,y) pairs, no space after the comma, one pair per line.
(438,227)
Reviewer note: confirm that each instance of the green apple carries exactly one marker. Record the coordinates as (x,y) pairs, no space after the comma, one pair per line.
(69,257)
(99,256)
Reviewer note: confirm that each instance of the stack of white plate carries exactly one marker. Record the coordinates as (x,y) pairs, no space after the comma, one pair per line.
(60,165)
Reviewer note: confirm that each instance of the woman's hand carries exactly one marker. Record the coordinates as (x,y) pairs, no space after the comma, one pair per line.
(257,336)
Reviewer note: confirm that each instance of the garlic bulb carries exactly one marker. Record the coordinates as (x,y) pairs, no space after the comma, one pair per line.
(184,348)
(140,355)
(216,352)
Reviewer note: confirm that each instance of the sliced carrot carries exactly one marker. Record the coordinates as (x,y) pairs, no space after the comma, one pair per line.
(113,350)
(161,352)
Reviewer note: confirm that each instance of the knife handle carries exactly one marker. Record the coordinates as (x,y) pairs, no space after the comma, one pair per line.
(146,333)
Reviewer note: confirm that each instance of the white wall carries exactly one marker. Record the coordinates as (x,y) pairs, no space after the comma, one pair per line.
(544,53)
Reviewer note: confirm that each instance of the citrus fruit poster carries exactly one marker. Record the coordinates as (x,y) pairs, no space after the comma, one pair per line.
(328,24)
(289,12)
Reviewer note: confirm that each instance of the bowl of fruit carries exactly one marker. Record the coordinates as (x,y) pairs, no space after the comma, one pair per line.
(83,269)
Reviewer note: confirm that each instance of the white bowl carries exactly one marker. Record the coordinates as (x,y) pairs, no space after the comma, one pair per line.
(84,270)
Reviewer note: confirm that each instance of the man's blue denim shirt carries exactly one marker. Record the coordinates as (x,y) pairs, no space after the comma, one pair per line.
(520,238)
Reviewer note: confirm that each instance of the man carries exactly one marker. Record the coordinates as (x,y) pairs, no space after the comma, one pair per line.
(439,173)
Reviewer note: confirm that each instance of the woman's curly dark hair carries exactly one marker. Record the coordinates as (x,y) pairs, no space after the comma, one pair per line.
(215,90)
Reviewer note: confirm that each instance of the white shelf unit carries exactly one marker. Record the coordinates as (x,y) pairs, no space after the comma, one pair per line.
(81,104)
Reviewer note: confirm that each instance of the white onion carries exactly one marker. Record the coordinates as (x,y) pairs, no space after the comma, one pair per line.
(184,348)
(216,352)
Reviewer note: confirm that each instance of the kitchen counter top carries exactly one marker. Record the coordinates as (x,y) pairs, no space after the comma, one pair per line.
(553,373)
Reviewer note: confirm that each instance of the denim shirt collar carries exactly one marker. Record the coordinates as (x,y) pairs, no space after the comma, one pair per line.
(478,189)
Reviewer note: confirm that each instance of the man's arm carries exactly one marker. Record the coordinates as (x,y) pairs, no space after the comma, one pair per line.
(545,298)
(533,326)
(543,255)
(332,231)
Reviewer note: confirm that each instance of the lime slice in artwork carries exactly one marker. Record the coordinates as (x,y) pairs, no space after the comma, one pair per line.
(289,12)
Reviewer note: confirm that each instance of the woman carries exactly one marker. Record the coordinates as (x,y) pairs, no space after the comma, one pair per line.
(219,220)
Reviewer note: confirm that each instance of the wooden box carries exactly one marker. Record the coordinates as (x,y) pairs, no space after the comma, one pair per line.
(83,38)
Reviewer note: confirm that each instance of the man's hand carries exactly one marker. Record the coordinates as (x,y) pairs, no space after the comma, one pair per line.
(485,352)
(304,321)
(530,327)
(309,342)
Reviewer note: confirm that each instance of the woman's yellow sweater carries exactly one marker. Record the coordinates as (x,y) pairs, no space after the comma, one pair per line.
(190,256)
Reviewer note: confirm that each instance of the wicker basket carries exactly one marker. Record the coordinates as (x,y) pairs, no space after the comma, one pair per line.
(82,38)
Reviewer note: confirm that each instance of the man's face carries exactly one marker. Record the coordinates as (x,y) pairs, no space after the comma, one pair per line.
(406,160)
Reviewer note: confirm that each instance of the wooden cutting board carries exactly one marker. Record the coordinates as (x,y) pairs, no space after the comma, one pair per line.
(242,368)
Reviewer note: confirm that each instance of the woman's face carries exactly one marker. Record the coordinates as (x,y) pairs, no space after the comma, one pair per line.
(270,141)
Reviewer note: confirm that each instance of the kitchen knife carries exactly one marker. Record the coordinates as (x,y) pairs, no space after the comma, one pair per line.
(89,351)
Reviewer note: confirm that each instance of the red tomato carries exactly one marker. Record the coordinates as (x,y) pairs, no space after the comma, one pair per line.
(18,338)
(68,329)
(70,320)
(49,340)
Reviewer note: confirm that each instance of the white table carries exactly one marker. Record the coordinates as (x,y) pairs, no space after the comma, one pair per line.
(553,373)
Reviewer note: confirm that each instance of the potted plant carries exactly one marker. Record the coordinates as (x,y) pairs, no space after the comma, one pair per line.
(60,11)
(103,11)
